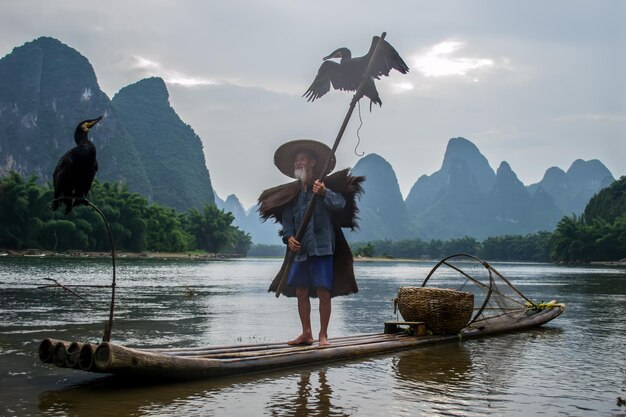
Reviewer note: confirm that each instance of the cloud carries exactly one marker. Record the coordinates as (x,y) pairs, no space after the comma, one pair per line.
(152,68)
(592,117)
(144,63)
(438,61)
(402,87)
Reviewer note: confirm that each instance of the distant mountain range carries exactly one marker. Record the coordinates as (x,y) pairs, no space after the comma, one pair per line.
(465,197)
(248,220)
(46,87)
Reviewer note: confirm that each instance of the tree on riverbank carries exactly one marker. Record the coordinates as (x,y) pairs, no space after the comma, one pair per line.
(599,234)
(532,247)
(26,221)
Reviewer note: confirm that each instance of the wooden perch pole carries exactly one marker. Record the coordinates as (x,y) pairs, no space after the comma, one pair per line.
(290,256)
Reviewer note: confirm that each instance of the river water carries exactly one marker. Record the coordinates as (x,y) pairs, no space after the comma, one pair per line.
(573,366)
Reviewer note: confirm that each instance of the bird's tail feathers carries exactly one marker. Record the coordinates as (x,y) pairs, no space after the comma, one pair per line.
(375,100)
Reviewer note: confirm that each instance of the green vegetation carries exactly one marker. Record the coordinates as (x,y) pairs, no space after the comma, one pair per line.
(264,250)
(366,251)
(599,234)
(577,241)
(26,221)
(533,247)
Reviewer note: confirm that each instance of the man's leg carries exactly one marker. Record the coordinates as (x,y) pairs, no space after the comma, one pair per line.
(304,310)
(325,309)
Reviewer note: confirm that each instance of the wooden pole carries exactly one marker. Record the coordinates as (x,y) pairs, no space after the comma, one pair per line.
(291,255)
(106,337)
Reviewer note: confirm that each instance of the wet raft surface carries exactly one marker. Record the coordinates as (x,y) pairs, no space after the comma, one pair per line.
(215,361)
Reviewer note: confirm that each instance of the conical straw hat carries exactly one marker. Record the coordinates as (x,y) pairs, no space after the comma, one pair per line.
(286,153)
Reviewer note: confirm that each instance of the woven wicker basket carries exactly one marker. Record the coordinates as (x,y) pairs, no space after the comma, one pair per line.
(443,310)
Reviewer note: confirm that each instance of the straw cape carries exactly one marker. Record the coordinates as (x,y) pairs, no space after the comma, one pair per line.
(273,200)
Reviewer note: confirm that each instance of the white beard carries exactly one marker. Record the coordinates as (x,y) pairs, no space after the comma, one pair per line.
(301,174)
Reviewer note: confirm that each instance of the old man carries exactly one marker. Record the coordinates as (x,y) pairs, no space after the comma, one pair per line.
(322,266)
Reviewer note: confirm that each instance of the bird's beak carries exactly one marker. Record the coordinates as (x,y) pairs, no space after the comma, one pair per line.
(90,123)
(335,54)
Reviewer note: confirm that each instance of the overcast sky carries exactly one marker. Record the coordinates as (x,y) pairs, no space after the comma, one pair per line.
(533,83)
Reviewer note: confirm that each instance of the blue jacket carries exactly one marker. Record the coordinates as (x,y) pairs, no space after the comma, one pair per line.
(319,238)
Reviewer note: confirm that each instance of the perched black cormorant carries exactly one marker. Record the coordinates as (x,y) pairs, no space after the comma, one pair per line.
(347,74)
(76,169)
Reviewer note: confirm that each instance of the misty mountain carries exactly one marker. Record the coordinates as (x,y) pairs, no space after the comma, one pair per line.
(466,198)
(572,190)
(233,205)
(168,148)
(465,174)
(46,89)
(250,222)
(509,208)
(382,211)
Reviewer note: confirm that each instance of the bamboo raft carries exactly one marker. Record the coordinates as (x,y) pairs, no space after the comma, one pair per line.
(216,361)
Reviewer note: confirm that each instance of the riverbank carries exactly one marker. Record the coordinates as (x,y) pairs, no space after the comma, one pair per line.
(40,253)
(36,253)
(621,263)
(199,255)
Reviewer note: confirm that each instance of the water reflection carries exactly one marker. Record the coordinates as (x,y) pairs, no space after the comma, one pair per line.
(446,365)
(303,393)
(312,397)
(115,396)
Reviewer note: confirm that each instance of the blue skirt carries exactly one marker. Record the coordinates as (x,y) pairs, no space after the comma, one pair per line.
(315,272)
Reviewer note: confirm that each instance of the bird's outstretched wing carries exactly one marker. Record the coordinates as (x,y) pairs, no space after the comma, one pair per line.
(388,58)
(329,72)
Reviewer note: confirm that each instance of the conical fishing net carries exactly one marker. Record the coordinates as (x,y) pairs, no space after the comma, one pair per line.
(494,296)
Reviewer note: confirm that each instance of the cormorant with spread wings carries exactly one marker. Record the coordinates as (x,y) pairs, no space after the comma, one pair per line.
(346,74)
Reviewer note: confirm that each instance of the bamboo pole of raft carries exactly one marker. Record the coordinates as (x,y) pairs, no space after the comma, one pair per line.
(282,347)
(73,354)
(290,256)
(85,357)
(298,349)
(248,347)
(46,349)
(59,354)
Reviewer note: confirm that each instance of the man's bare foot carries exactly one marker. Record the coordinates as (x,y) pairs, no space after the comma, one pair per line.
(324,341)
(302,340)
